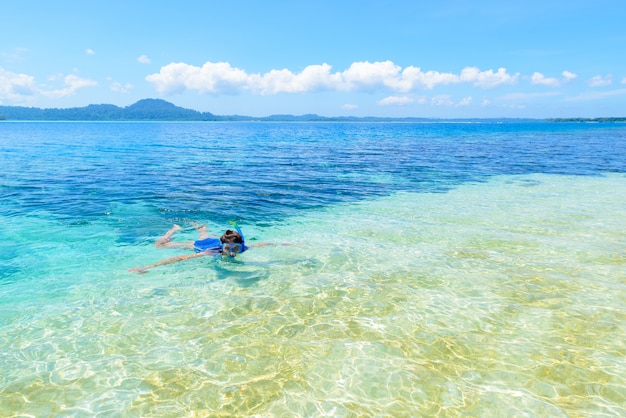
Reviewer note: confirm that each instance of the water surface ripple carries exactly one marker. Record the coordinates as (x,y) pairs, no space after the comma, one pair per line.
(440,269)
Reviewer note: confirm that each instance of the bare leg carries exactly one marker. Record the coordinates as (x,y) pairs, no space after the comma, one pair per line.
(170,260)
(166,240)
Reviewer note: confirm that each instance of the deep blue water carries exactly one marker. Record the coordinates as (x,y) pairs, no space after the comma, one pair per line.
(262,172)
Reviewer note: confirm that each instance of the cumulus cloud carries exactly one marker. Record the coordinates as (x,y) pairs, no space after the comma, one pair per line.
(395,101)
(349,106)
(72,84)
(568,76)
(18,88)
(212,78)
(222,78)
(413,78)
(442,100)
(488,79)
(601,81)
(466,101)
(359,76)
(118,87)
(312,78)
(90,51)
(540,79)
(143,59)
(13,86)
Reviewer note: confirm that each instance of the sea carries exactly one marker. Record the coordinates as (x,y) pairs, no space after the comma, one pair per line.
(414,269)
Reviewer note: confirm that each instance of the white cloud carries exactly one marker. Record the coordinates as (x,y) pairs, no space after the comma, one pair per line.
(120,88)
(601,81)
(624,80)
(446,100)
(539,79)
(365,76)
(312,78)
(442,100)
(568,76)
(395,101)
(14,87)
(488,79)
(19,88)
(215,78)
(413,78)
(222,78)
(349,106)
(143,59)
(90,51)
(465,101)
(73,83)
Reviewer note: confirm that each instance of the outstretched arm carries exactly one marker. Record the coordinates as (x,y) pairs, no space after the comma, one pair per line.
(170,260)
(265,244)
(273,244)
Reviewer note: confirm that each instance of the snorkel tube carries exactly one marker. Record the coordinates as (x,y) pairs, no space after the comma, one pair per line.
(243,240)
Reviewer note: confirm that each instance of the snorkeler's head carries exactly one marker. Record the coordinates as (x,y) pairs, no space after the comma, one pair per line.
(232,243)
(231,236)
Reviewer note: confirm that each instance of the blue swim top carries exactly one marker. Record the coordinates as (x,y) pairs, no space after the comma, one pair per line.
(208,244)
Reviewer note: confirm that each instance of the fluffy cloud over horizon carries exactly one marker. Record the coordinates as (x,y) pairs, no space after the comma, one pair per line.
(222,78)
(540,79)
(403,86)
(17,87)
(71,84)
(601,81)
(396,101)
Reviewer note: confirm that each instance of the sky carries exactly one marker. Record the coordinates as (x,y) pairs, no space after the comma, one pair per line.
(392,58)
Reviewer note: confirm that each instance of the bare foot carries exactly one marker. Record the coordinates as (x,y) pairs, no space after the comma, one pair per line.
(168,236)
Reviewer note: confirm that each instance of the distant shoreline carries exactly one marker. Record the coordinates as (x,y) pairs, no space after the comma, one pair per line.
(163,111)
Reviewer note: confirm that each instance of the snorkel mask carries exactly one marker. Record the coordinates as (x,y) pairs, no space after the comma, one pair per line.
(231,249)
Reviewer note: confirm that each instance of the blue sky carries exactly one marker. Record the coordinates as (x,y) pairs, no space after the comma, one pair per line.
(445,58)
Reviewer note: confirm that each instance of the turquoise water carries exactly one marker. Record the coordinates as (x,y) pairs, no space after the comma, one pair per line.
(437,270)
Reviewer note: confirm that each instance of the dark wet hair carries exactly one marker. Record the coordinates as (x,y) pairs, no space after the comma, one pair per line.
(232,237)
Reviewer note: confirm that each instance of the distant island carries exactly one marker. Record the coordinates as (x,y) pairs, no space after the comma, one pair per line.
(147,109)
(587,120)
(152,110)
(161,110)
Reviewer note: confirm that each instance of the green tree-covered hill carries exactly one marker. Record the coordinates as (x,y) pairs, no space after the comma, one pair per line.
(146,109)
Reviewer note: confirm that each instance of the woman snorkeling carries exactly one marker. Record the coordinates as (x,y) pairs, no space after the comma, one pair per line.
(229,245)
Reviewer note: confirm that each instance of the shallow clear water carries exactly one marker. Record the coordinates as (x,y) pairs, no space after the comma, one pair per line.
(438,269)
